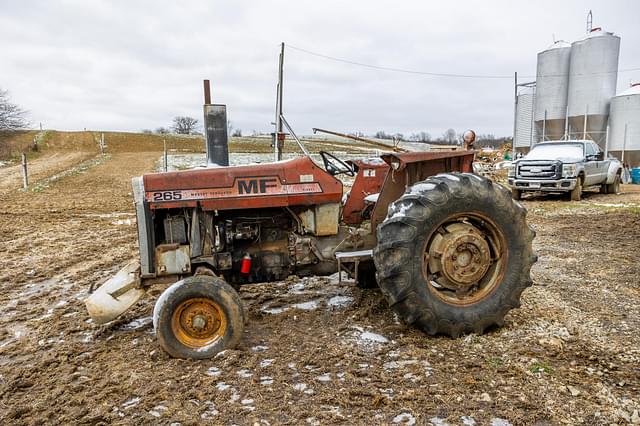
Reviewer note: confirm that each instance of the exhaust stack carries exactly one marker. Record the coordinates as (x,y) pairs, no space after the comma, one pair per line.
(215,130)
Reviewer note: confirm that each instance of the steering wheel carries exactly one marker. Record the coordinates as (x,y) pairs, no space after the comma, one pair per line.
(335,166)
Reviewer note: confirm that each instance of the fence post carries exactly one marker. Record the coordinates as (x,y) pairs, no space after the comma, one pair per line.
(101,143)
(25,177)
(164,143)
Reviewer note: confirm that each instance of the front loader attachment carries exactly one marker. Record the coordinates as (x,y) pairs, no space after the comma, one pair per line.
(116,295)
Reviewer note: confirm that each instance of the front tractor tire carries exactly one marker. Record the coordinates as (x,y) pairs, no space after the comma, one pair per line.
(454,254)
(198,317)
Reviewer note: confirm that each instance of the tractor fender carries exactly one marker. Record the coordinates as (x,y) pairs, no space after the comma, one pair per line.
(116,295)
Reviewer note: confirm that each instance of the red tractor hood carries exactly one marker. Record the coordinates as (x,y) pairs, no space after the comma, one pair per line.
(285,183)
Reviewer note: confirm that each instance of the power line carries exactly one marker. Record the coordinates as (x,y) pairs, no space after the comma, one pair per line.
(385,68)
(438,74)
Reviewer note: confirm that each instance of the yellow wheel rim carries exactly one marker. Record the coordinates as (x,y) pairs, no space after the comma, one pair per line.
(198,322)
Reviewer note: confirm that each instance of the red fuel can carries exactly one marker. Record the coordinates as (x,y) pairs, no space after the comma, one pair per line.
(245,265)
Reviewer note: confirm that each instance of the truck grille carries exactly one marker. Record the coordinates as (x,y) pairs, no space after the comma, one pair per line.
(539,170)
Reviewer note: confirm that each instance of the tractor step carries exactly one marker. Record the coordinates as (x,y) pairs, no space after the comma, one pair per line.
(355,257)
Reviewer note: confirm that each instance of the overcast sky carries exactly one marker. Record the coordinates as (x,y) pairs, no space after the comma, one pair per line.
(131,65)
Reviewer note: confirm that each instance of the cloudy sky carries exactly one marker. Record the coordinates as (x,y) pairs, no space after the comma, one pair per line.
(131,65)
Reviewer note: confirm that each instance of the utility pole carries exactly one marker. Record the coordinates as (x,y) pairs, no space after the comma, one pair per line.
(279,135)
(515,115)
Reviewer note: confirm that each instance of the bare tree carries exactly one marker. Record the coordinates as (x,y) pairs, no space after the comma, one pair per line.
(420,137)
(12,117)
(184,125)
(450,136)
(162,131)
(381,134)
(237,133)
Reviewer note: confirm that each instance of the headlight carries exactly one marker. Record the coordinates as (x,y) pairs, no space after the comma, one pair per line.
(569,170)
(511,170)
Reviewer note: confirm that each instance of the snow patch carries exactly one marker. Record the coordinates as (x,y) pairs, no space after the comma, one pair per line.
(422,187)
(324,377)
(245,374)
(401,212)
(449,176)
(340,301)
(273,311)
(297,288)
(213,372)
(265,363)
(137,323)
(373,337)
(405,419)
(222,386)
(437,421)
(468,421)
(130,403)
(306,306)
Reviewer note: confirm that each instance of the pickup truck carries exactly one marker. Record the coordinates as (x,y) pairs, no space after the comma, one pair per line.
(569,166)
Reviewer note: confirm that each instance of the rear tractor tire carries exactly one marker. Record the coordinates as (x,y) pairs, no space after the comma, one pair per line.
(454,254)
(198,317)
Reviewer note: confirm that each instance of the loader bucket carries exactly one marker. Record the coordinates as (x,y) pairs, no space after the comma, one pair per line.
(116,295)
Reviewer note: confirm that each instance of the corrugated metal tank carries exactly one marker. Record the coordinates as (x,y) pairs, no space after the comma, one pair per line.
(552,83)
(625,111)
(592,82)
(525,132)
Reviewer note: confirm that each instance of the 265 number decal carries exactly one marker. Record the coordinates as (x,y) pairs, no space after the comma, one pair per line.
(167,196)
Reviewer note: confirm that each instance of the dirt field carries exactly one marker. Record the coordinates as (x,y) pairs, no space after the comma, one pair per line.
(313,352)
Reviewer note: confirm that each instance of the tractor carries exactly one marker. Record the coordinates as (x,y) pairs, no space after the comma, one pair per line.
(450,251)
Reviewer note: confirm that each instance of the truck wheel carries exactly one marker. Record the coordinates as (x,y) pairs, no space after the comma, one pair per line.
(198,317)
(613,188)
(516,194)
(576,192)
(454,254)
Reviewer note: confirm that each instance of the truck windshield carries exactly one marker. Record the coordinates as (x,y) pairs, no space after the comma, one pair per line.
(560,151)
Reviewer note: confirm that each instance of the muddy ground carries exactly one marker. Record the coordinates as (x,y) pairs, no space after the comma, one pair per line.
(313,352)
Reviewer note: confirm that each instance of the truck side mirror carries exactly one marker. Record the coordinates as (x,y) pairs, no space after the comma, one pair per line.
(600,156)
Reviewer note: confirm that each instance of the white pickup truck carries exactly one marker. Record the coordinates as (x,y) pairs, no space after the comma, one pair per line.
(565,166)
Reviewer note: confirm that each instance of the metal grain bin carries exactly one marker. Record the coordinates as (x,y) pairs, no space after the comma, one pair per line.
(592,83)
(625,113)
(525,132)
(552,82)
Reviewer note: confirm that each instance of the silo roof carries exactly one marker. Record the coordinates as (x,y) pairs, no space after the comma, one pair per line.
(560,44)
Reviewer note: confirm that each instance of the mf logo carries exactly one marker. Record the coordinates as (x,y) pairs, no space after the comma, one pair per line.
(257,185)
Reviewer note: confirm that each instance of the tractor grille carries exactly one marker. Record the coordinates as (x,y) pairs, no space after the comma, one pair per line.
(539,170)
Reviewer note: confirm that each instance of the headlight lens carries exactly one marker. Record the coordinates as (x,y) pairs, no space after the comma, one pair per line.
(511,170)
(569,170)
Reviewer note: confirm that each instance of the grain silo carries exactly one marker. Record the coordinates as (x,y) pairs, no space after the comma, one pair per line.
(592,83)
(624,125)
(552,82)
(525,130)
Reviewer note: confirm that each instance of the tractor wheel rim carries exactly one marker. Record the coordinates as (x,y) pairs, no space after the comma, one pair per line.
(464,259)
(198,322)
